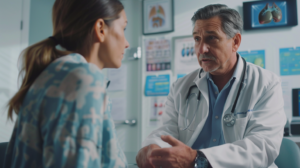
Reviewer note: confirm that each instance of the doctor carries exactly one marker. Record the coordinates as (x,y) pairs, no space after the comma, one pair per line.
(228,113)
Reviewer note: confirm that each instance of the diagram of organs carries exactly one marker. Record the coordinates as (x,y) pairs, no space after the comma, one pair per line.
(269,13)
(157,16)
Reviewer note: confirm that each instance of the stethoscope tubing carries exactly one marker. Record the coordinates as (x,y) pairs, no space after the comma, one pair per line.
(199,95)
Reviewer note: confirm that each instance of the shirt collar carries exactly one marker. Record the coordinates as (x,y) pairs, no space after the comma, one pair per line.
(237,71)
(78,58)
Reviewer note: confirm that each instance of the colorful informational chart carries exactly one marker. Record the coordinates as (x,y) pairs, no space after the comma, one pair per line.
(180,75)
(289,61)
(299,101)
(157,85)
(158,54)
(256,57)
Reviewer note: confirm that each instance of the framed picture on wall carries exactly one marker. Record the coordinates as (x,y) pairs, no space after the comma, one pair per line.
(158,16)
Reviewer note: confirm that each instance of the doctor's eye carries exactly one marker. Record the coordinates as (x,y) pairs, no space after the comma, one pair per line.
(196,39)
(211,38)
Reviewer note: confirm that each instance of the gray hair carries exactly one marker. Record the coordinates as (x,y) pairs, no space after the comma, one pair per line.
(232,22)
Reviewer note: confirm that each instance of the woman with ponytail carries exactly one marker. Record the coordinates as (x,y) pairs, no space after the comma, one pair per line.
(62,107)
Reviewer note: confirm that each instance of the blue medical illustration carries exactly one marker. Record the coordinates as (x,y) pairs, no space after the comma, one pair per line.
(256,57)
(269,15)
(183,51)
(192,51)
(187,51)
(299,101)
(289,61)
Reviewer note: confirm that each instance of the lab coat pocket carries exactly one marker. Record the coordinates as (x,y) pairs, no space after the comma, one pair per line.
(240,126)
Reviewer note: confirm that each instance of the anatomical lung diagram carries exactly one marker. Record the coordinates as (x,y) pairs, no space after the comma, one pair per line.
(269,13)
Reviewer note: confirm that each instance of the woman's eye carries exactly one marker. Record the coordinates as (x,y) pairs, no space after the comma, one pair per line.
(196,39)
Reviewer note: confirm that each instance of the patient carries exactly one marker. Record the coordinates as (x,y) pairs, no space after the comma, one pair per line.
(62,106)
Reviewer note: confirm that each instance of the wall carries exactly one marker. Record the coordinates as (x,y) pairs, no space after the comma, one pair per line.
(129,137)
(270,40)
(13,40)
(40,20)
(183,12)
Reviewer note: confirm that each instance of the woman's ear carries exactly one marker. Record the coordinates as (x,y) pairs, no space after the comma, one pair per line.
(237,39)
(100,29)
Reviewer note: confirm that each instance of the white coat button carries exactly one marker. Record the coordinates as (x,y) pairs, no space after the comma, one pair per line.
(217,117)
(214,140)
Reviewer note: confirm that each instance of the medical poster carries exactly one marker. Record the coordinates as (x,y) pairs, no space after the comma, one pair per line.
(117,78)
(157,110)
(256,57)
(157,85)
(266,14)
(289,61)
(180,75)
(287,94)
(118,111)
(158,54)
(185,58)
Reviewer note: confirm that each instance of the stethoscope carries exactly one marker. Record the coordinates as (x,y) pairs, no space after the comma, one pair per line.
(228,119)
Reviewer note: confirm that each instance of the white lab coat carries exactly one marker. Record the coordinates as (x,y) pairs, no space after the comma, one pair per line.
(254,141)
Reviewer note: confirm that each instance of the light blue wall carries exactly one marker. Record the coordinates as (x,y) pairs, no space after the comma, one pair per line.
(40,26)
(41,20)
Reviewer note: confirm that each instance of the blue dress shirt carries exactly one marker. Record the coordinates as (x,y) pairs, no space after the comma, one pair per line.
(212,133)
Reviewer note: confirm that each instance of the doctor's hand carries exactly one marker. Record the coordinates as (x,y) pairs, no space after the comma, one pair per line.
(179,155)
(143,157)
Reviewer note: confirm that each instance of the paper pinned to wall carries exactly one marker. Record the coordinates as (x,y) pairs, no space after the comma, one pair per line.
(157,85)
(118,110)
(287,94)
(157,109)
(256,57)
(117,78)
(158,54)
(289,61)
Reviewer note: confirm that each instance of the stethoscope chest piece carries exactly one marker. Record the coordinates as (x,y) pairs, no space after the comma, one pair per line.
(229,120)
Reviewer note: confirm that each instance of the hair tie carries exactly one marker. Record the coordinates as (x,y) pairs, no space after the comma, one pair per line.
(54,39)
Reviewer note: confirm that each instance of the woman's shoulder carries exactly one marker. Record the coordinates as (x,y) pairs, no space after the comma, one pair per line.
(70,70)
(75,65)
(75,61)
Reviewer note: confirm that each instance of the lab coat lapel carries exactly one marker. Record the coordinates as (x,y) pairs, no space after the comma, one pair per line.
(201,83)
(235,86)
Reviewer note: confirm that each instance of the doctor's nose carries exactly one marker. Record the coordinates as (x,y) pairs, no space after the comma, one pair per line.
(202,48)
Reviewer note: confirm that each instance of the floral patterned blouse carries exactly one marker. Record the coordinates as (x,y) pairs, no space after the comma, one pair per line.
(65,120)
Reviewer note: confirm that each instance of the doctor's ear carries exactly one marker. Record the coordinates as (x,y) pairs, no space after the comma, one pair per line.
(100,30)
(236,42)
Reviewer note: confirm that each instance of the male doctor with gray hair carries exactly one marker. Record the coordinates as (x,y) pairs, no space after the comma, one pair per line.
(228,113)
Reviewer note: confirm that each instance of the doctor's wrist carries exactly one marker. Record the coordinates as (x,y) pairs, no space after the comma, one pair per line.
(194,156)
(201,161)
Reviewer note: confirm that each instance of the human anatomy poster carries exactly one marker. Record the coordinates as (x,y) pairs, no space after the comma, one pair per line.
(158,16)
